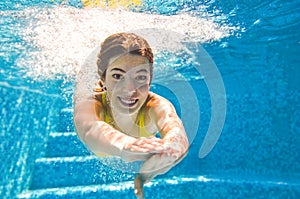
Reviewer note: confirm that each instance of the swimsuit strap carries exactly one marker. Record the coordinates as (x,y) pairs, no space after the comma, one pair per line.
(107,118)
(142,130)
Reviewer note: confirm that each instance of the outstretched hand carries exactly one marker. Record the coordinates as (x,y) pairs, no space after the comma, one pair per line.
(142,149)
(159,156)
(156,165)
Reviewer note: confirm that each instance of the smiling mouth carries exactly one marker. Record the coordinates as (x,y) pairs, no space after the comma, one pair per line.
(128,102)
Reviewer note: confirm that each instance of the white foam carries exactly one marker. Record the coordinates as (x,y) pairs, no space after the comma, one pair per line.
(64,36)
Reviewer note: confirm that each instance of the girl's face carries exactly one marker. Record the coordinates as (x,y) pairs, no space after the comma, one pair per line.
(127,82)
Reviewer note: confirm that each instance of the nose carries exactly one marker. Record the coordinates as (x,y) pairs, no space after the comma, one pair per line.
(129,87)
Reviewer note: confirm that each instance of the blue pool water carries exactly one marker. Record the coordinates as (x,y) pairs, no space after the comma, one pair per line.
(256,156)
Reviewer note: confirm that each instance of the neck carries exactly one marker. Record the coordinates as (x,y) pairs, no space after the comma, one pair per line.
(124,121)
(117,116)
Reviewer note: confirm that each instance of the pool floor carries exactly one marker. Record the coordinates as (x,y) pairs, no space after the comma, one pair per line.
(68,170)
(75,173)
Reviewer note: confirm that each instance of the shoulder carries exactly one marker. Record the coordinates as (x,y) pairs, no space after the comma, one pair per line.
(89,107)
(157,104)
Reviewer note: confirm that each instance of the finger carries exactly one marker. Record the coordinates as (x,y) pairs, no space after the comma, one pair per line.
(152,147)
(147,146)
(151,142)
(139,148)
(153,138)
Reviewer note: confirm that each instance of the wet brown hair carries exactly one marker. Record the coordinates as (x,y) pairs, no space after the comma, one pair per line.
(120,44)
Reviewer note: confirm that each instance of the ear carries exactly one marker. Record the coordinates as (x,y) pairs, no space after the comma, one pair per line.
(100,86)
(100,83)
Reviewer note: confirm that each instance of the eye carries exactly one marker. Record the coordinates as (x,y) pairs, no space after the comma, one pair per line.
(117,76)
(141,78)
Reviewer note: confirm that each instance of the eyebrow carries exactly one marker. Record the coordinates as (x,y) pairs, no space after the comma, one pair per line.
(123,71)
(118,69)
(142,70)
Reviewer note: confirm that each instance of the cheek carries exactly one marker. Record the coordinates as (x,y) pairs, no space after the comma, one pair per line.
(144,88)
(110,84)
(110,89)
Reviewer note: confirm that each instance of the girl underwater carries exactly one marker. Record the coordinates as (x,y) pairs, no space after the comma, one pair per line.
(122,117)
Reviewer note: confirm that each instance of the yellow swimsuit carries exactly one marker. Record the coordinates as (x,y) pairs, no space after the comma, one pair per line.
(142,130)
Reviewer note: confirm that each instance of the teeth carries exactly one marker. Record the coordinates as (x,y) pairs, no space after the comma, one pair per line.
(128,101)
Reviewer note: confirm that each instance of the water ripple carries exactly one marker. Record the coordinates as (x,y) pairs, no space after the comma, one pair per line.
(60,38)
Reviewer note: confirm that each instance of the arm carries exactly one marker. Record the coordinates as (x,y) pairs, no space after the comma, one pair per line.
(98,136)
(101,137)
(175,143)
(170,127)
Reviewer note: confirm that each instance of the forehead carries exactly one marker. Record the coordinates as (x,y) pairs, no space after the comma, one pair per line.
(129,62)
